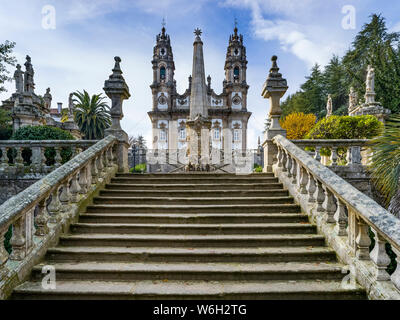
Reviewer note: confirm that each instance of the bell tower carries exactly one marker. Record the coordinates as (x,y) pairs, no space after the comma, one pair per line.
(163,86)
(235,84)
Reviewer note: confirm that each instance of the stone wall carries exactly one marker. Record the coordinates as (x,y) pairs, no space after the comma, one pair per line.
(11,187)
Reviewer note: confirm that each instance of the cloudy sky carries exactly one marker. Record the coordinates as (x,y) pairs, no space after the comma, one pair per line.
(78,53)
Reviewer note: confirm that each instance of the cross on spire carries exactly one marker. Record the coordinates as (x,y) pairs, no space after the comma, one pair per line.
(197,32)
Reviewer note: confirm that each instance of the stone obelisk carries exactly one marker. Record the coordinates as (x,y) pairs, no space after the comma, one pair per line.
(198,124)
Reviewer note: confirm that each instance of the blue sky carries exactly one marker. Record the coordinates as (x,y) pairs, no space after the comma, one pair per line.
(78,53)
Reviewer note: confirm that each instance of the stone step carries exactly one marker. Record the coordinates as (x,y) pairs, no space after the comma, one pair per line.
(190,175)
(209,290)
(193,218)
(188,254)
(193,180)
(193,193)
(198,187)
(227,208)
(193,229)
(191,201)
(236,241)
(111,271)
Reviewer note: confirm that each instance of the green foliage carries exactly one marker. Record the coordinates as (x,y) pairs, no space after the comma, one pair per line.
(5,125)
(257,168)
(6,58)
(7,239)
(92,115)
(44,133)
(140,168)
(373,45)
(346,127)
(385,160)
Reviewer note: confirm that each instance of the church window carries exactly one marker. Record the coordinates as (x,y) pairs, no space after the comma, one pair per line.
(216,134)
(182,133)
(162,73)
(163,136)
(162,51)
(236,51)
(236,135)
(236,73)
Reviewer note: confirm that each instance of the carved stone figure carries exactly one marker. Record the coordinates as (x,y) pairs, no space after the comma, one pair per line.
(370,82)
(353,100)
(47,99)
(28,76)
(70,105)
(19,79)
(329,106)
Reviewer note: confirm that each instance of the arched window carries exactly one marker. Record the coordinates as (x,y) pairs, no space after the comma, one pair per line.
(236,135)
(162,73)
(182,133)
(163,135)
(216,134)
(236,72)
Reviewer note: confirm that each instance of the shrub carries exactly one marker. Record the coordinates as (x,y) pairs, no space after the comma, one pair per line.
(257,168)
(298,124)
(43,133)
(138,168)
(346,127)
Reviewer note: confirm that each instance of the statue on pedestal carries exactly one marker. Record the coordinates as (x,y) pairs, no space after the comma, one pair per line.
(353,97)
(329,106)
(28,76)
(19,79)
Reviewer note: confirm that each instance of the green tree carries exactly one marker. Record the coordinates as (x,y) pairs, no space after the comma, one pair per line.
(92,115)
(376,46)
(6,59)
(5,125)
(385,163)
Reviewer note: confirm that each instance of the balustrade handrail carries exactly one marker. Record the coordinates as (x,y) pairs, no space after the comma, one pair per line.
(331,142)
(47,143)
(27,199)
(383,222)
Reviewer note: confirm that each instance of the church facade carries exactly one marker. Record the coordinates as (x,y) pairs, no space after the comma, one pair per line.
(227,110)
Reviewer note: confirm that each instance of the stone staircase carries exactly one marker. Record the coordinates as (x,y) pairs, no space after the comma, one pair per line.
(192,236)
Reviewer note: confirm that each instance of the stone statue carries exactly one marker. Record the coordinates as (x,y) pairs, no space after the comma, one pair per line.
(329,106)
(28,76)
(19,79)
(370,82)
(353,100)
(47,99)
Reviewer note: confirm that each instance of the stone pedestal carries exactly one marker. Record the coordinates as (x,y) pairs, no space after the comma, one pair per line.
(274,88)
(117,90)
(199,143)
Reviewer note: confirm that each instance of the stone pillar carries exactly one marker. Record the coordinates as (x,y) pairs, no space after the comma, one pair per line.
(117,90)
(244,135)
(274,88)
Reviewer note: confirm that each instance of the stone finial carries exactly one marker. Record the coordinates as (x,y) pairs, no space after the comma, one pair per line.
(19,79)
(329,106)
(274,82)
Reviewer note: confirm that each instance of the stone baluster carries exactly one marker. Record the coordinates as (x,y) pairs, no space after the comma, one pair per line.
(110,156)
(94,171)
(311,187)
(380,258)
(3,251)
(42,218)
(317,155)
(4,159)
(43,159)
(340,218)
(289,165)
(100,165)
(54,206)
(105,157)
(362,241)
(294,171)
(320,197)
(284,161)
(334,156)
(19,161)
(303,180)
(329,206)
(75,189)
(279,157)
(352,229)
(348,155)
(65,197)
(83,181)
(74,151)
(58,157)
(356,155)
(18,240)
(395,277)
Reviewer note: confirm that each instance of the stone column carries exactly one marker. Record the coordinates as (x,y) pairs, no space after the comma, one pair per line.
(274,88)
(244,135)
(117,90)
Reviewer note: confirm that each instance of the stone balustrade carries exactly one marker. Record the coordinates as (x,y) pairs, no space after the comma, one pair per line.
(36,163)
(342,213)
(40,213)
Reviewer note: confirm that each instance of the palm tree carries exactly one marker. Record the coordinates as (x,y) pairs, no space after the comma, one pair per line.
(385,164)
(92,115)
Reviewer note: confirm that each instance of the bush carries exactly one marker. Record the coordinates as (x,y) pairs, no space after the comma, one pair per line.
(138,168)
(346,127)
(257,168)
(43,133)
(298,124)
